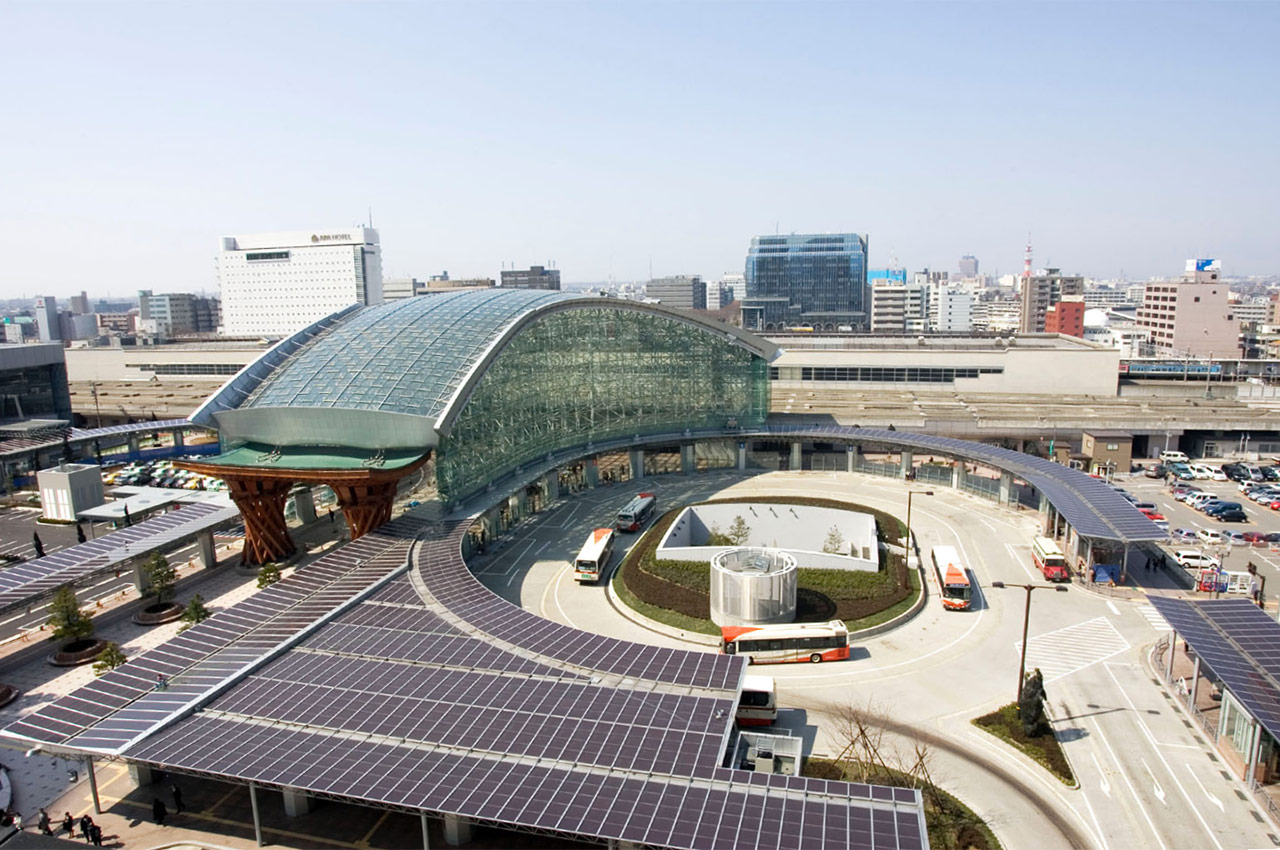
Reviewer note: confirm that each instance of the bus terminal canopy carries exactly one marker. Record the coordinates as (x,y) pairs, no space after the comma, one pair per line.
(1089,504)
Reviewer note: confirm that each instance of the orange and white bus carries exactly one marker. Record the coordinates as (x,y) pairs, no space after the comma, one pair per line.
(758,704)
(1050,560)
(634,514)
(594,557)
(953,578)
(812,642)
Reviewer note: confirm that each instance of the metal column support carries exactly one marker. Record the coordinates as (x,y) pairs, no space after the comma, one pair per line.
(1255,744)
(93,786)
(907,463)
(179,439)
(296,803)
(208,551)
(457,830)
(636,456)
(257,819)
(1195,683)
(551,481)
(797,457)
(742,455)
(850,457)
(139,579)
(1173,650)
(1006,487)
(687,463)
(426,835)
(590,473)
(957,480)
(304,504)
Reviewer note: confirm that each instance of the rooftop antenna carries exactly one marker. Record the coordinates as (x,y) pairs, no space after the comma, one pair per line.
(371,218)
(1026,266)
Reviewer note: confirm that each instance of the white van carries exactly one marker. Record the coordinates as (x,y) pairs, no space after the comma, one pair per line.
(1201,471)
(1173,457)
(1195,500)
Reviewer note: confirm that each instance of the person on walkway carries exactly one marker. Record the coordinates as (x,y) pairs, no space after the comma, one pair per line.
(69,825)
(158,811)
(85,823)
(177,798)
(95,835)
(162,684)
(43,823)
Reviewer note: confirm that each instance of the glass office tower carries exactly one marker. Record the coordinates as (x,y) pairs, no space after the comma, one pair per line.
(816,280)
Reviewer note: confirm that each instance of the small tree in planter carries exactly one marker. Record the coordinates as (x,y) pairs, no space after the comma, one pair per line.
(111,657)
(160,578)
(834,543)
(268,575)
(739,531)
(194,613)
(70,624)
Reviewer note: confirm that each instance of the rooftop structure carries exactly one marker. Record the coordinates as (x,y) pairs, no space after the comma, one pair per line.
(814,279)
(683,292)
(33,382)
(1192,317)
(534,277)
(1042,291)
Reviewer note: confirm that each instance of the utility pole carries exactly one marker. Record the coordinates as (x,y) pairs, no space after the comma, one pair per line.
(1026,623)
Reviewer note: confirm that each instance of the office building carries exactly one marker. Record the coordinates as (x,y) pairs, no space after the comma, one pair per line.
(951,308)
(1251,313)
(1040,292)
(80,304)
(33,382)
(274,284)
(1066,317)
(684,292)
(176,313)
(899,308)
(999,315)
(968,266)
(534,277)
(813,280)
(733,287)
(47,318)
(1192,316)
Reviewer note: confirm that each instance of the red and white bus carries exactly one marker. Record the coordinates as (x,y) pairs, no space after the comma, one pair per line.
(758,704)
(594,557)
(953,578)
(631,517)
(1050,560)
(812,642)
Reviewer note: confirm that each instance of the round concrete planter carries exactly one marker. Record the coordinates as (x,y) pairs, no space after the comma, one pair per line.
(77,652)
(154,615)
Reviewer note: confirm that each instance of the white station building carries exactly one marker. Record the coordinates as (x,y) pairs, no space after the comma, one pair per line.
(274,284)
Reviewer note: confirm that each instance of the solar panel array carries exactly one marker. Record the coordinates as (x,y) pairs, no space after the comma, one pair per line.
(1089,504)
(1240,643)
(112,710)
(446,576)
(25,583)
(735,809)
(77,435)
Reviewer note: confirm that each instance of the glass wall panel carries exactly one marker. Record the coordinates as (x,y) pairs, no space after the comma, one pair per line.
(592,375)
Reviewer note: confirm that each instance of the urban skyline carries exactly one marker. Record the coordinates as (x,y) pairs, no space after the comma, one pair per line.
(1098,145)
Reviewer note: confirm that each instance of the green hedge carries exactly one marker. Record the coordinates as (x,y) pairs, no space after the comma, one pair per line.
(681,587)
(1044,748)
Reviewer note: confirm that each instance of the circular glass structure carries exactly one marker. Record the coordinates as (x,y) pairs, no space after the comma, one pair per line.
(752,586)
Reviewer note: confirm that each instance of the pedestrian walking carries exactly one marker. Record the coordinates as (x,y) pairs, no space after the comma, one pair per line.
(69,825)
(158,811)
(177,798)
(85,823)
(95,835)
(43,823)
(17,821)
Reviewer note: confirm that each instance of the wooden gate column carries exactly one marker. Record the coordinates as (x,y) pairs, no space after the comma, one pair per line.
(261,503)
(366,505)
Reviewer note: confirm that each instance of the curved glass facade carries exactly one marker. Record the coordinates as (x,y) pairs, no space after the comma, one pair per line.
(596,374)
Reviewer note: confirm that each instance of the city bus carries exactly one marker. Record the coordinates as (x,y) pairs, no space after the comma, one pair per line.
(631,517)
(594,557)
(1050,560)
(953,578)
(777,644)
(758,705)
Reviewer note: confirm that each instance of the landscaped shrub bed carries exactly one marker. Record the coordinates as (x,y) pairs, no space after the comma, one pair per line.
(822,595)
(1006,724)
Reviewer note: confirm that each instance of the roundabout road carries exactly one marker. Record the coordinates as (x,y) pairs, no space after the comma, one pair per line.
(1147,780)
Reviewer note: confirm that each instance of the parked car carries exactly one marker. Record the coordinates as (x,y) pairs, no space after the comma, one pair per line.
(1255,538)
(1160,522)
(1182,492)
(1209,535)
(1185,534)
(1231,515)
(1190,559)
(1219,475)
(1202,471)
(1182,472)
(1156,471)
(1270,473)
(1173,457)
(1235,538)
(1145,506)
(1153,515)
(1196,500)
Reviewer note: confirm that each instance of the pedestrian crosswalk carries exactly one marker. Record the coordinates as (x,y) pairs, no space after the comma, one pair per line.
(1064,651)
(1153,617)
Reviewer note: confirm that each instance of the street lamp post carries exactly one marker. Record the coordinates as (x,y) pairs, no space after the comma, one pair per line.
(1208,375)
(97,411)
(1026,623)
(907,544)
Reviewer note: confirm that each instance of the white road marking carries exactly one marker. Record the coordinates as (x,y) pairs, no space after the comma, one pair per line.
(1114,609)
(1064,651)
(1103,784)
(1212,799)
(1133,792)
(1155,783)
(1152,616)
(515,575)
(1022,559)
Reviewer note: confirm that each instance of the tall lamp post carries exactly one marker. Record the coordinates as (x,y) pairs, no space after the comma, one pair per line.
(907,545)
(1026,623)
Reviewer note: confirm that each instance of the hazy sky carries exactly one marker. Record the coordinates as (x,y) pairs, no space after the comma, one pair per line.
(607,136)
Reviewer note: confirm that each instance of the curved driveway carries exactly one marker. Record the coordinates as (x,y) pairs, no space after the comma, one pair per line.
(1146,779)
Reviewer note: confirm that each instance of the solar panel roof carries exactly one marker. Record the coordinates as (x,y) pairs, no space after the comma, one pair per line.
(24,583)
(1089,504)
(1240,643)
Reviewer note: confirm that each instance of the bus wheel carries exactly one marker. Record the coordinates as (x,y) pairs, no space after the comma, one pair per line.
(815,658)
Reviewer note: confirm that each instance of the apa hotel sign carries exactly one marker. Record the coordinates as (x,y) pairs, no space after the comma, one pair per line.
(331,237)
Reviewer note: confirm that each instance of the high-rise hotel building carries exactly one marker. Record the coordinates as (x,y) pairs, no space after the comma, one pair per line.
(274,284)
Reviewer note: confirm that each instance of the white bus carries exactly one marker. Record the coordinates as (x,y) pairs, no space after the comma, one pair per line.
(953,578)
(1050,560)
(631,517)
(774,644)
(758,705)
(594,557)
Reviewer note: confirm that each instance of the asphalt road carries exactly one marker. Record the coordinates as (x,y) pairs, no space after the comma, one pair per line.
(1146,779)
